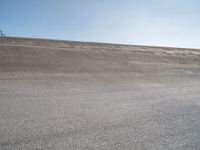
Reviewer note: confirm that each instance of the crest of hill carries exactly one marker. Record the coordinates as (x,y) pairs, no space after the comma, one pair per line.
(43,55)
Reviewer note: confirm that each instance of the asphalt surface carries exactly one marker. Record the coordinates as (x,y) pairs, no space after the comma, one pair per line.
(60,95)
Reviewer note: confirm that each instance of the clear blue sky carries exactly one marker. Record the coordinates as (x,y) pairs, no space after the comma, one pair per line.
(144,22)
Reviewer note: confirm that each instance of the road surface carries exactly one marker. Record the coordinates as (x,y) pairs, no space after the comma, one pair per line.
(58,95)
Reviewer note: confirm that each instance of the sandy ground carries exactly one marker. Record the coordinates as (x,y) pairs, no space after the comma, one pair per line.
(67,95)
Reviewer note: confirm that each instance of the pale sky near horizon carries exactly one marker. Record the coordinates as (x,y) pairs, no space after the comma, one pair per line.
(173,23)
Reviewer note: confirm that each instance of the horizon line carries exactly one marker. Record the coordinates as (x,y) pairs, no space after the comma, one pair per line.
(95,42)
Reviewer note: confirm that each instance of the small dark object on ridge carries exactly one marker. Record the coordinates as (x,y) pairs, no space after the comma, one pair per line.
(1,33)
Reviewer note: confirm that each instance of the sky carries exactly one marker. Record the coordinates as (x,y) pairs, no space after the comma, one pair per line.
(172,23)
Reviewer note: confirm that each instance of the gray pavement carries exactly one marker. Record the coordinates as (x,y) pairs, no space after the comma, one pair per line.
(59,95)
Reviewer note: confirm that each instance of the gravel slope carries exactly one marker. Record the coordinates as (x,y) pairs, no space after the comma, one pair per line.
(81,95)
